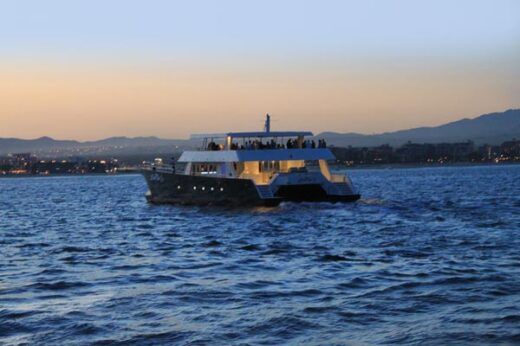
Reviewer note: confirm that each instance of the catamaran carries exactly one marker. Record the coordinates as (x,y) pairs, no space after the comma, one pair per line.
(250,169)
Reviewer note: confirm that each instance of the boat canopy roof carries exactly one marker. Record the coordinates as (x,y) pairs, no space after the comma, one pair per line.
(257,155)
(259,134)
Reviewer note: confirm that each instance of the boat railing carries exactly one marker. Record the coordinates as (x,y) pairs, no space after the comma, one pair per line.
(158,168)
(259,145)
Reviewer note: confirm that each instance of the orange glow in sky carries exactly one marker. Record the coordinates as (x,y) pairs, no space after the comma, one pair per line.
(172,69)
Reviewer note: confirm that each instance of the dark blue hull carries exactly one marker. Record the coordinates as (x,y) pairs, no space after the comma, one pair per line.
(166,187)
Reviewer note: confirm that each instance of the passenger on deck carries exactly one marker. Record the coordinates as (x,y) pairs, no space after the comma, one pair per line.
(322,143)
(215,146)
(212,146)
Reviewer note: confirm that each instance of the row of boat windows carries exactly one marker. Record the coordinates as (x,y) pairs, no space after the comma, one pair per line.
(263,166)
(205,168)
(203,188)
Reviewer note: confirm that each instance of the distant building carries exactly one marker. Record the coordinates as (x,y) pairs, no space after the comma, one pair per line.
(26,163)
(419,153)
(511,149)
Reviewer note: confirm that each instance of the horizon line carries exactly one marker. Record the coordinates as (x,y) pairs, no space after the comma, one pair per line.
(188,139)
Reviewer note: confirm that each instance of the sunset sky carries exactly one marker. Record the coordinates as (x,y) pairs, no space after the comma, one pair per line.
(93,69)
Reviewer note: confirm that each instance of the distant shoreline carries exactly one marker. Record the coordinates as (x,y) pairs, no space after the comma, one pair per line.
(67,175)
(423,165)
(333,166)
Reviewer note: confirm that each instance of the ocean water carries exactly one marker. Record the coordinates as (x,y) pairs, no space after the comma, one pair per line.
(428,256)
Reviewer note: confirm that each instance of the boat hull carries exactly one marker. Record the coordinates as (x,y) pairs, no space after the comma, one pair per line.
(196,190)
(311,193)
(171,188)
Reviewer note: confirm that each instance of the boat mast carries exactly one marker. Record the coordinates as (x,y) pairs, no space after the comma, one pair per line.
(267,126)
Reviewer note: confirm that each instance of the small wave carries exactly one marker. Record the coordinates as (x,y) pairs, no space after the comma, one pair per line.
(457,280)
(491,224)
(258,284)
(212,243)
(206,296)
(164,338)
(358,317)
(71,249)
(311,292)
(354,283)
(152,279)
(433,298)
(407,253)
(82,329)
(6,314)
(58,285)
(10,328)
(275,251)
(511,319)
(283,326)
(32,245)
(319,309)
(128,267)
(393,243)
(389,289)
(250,247)
(332,258)
(515,319)
(52,271)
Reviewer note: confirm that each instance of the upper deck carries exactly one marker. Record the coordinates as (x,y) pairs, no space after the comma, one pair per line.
(264,145)
(257,155)
(258,134)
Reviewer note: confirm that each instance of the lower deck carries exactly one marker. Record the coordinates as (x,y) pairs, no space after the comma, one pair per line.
(168,187)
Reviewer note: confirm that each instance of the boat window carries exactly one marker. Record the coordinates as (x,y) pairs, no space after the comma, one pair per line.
(269,166)
(205,168)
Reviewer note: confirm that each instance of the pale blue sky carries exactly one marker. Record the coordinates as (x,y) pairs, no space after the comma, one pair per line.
(234,28)
(365,66)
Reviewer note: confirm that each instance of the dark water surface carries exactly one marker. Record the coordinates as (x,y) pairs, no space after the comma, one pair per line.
(429,256)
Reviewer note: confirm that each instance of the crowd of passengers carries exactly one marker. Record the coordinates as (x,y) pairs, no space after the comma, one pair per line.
(259,145)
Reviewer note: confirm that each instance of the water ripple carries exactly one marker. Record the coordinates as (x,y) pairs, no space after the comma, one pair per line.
(428,256)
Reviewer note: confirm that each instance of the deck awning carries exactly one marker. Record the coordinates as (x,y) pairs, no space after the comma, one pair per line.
(257,155)
(262,134)
(269,134)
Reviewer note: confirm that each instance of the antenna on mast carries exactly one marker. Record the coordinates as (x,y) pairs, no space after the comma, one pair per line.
(267,126)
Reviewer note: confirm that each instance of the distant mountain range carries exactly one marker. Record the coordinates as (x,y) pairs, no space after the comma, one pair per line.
(108,146)
(491,128)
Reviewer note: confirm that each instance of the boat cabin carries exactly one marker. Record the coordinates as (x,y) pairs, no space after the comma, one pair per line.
(257,156)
